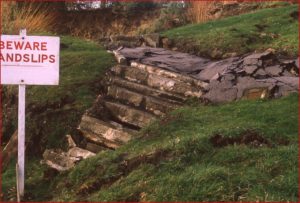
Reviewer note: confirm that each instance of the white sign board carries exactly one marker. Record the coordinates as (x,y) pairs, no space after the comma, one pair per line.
(29,60)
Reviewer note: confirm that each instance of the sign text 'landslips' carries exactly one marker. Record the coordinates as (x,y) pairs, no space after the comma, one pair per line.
(30,60)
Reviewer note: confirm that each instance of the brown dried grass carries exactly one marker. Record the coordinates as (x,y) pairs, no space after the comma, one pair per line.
(33,17)
(198,11)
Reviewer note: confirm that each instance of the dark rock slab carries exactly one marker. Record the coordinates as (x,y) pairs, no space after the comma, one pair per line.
(165,59)
(260,59)
(220,92)
(250,69)
(211,69)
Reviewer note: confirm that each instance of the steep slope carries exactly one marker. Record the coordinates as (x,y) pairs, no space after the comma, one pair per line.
(243,151)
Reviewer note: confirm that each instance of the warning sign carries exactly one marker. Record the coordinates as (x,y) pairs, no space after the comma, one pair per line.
(30,60)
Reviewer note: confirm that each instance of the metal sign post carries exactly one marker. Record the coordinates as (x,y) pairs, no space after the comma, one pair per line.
(21,137)
(27,60)
(21,143)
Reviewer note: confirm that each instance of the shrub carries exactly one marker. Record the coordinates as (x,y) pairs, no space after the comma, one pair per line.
(173,15)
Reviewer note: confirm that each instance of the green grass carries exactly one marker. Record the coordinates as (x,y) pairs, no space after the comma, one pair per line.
(82,67)
(192,169)
(241,34)
(55,111)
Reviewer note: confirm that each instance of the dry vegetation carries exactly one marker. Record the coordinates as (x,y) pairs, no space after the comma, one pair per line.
(34,17)
(203,11)
(94,24)
(199,11)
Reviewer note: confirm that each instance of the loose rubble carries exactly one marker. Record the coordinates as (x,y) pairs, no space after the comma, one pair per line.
(61,161)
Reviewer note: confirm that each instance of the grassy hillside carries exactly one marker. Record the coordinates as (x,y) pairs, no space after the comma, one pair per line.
(54,111)
(242,151)
(275,28)
(176,158)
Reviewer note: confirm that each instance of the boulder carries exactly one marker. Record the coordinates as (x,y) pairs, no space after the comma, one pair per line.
(58,159)
(63,161)
(221,92)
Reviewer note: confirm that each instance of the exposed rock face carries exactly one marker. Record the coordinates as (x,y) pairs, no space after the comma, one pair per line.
(135,96)
(149,82)
(165,59)
(258,75)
